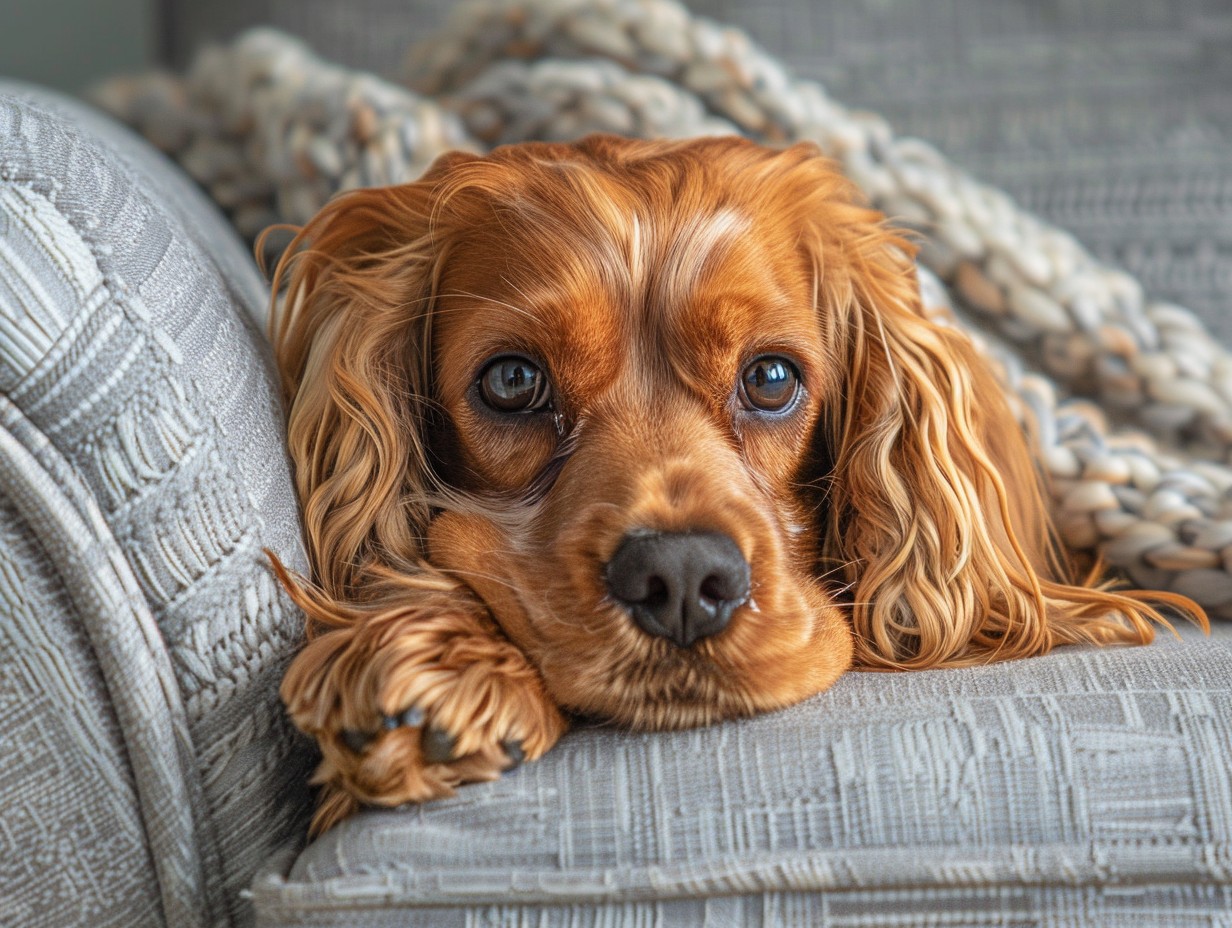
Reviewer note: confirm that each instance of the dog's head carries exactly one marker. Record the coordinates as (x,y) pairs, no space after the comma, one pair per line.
(672,410)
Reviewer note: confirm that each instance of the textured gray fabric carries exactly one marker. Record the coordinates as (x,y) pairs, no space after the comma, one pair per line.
(1112,120)
(69,815)
(148,767)
(1076,789)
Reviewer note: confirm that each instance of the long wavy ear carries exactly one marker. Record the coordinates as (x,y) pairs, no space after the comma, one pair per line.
(936,510)
(352,339)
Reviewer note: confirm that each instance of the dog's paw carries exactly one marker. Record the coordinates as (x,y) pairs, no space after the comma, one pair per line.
(411,716)
(473,724)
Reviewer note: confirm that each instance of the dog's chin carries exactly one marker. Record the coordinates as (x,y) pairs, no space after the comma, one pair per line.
(645,713)
(678,713)
(666,688)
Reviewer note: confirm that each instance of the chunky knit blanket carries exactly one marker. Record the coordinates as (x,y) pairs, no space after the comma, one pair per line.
(1131,399)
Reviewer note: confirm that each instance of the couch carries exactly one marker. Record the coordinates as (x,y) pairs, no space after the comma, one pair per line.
(149,778)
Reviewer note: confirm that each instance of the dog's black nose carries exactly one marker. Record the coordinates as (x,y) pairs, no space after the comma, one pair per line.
(679,585)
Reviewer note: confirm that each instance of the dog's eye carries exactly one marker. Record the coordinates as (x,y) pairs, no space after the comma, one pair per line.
(513,384)
(769,384)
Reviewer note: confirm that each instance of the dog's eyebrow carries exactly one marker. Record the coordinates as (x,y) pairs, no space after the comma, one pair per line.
(520,310)
(693,244)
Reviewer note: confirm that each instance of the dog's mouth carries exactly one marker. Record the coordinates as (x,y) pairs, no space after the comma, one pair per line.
(653,686)
(683,708)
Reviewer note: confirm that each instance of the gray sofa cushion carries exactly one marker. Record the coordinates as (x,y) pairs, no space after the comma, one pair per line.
(1085,788)
(147,766)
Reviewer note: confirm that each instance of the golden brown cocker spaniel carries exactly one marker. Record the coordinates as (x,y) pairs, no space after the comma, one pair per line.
(652,432)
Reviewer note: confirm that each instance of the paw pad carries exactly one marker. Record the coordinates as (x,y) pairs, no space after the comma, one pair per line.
(356,741)
(437,746)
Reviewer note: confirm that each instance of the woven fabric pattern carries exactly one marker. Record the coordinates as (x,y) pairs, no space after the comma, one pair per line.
(143,466)
(1086,788)
(72,813)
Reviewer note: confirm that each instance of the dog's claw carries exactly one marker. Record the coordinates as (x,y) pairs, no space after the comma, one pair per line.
(438,746)
(356,741)
(411,718)
(516,755)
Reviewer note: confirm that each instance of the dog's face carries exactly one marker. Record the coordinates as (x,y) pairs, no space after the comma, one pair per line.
(631,374)
(673,412)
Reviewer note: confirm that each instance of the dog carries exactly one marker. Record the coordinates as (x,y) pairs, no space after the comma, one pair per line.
(652,432)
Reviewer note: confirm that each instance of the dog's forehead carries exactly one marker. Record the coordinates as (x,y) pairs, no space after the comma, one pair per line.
(593,276)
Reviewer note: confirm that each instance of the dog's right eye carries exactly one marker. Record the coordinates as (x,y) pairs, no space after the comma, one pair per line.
(513,384)
(770,384)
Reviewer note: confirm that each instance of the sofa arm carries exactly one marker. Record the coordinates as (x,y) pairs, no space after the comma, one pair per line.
(142,472)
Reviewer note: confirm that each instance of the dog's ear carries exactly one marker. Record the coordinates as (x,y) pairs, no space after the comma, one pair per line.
(351,336)
(937,519)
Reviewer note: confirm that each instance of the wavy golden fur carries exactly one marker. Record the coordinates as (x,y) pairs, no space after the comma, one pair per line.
(888,517)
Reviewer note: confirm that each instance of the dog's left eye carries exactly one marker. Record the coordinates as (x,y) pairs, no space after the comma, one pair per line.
(769,384)
(513,384)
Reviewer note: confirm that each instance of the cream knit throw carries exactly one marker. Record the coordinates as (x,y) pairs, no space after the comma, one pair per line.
(271,131)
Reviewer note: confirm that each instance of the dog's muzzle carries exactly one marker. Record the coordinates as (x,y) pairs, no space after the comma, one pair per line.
(682,586)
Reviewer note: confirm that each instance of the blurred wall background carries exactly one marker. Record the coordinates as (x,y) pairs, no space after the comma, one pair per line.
(68,44)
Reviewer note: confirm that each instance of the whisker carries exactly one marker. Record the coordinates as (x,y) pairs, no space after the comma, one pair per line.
(836,569)
(488,299)
(520,292)
(406,304)
(478,575)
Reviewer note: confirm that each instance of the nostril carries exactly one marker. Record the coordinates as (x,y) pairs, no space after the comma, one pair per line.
(717,588)
(656,593)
